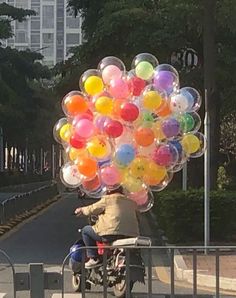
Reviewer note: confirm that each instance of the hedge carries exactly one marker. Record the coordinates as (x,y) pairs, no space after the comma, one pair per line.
(181,215)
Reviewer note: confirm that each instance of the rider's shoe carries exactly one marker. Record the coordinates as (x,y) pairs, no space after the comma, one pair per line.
(92,263)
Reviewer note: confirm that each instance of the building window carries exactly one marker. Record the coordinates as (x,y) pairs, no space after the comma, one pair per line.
(48,38)
(72,22)
(48,16)
(60,12)
(72,38)
(35,38)
(35,25)
(22,25)
(48,50)
(21,37)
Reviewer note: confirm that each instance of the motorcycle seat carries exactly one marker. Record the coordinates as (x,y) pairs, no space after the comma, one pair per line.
(136,241)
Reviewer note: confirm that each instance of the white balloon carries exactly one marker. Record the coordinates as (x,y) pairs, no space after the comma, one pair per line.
(70,175)
(178,103)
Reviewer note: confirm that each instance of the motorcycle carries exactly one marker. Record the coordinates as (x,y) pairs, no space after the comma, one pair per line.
(116,265)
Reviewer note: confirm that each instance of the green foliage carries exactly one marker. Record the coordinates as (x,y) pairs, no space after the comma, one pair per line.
(222,178)
(181,215)
(26,108)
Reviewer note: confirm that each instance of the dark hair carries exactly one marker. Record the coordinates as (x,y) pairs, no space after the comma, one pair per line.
(117,190)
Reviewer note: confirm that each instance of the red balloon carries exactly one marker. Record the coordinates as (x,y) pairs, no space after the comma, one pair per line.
(113,128)
(129,112)
(138,85)
(77,142)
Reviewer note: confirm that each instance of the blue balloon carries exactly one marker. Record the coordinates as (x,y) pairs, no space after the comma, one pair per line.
(125,154)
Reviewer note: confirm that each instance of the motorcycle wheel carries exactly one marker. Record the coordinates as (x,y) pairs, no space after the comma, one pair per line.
(76,284)
(120,288)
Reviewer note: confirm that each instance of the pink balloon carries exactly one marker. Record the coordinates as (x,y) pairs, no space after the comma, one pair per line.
(113,128)
(119,88)
(139,197)
(110,175)
(129,112)
(162,155)
(88,115)
(111,72)
(84,128)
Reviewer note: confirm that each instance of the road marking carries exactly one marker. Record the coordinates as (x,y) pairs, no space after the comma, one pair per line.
(2,295)
(67,295)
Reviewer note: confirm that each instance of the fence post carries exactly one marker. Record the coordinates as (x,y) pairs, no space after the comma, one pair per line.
(36,280)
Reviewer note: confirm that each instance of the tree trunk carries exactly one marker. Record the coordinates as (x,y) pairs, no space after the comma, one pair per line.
(213,101)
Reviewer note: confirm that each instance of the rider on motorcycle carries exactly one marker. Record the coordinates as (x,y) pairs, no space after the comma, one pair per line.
(116,218)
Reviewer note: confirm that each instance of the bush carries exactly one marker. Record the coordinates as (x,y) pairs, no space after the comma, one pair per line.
(181,215)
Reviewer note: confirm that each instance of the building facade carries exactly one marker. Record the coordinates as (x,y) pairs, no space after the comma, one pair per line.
(52,31)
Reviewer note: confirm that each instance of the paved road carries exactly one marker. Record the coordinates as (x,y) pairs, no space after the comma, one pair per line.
(47,239)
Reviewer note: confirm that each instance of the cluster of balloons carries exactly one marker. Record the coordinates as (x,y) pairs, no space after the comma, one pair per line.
(132,128)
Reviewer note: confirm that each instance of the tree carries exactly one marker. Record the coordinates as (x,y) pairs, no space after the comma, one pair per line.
(27,107)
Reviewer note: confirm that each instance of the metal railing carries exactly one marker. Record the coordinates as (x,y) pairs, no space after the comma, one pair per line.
(22,202)
(194,250)
(36,280)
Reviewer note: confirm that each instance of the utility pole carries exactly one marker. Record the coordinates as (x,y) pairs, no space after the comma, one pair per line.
(209,50)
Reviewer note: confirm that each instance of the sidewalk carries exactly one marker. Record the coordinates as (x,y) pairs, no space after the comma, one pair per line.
(206,270)
(206,266)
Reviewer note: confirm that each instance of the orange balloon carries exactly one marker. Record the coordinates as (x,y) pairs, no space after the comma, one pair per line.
(87,167)
(76,104)
(144,136)
(117,107)
(164,111)
(154,173)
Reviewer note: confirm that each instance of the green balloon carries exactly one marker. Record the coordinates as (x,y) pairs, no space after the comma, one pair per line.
(144,70)
(187,122)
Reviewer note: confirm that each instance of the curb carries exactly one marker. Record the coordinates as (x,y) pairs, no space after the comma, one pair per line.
(205,280)
(185,275)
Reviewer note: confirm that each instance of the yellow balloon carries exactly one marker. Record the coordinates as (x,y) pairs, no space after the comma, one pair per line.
(104,105)
(98,147)
(190,143)
(138,167)
(76,154)
(93,85)
(65,132)
(154,173)
(152,100)
(159,135)
(131,183)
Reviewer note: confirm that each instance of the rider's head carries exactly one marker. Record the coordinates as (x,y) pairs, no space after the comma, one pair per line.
(117,190)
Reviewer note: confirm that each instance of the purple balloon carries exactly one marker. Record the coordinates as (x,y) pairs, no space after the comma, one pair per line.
(170,127)
(164,80)
(100,122)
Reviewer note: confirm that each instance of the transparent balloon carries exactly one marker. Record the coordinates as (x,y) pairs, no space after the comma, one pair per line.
(162,184)
(93,187)
(99,147)
(74,103)
(189,122)
(91,82)
(57,128)
(153,99)
(165,154)
(70,175)
(110,176)
(144,65)
(194,144)
(144,199)
(137,84)
(194,98)
(170,127)
(166,78)
(111,68)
